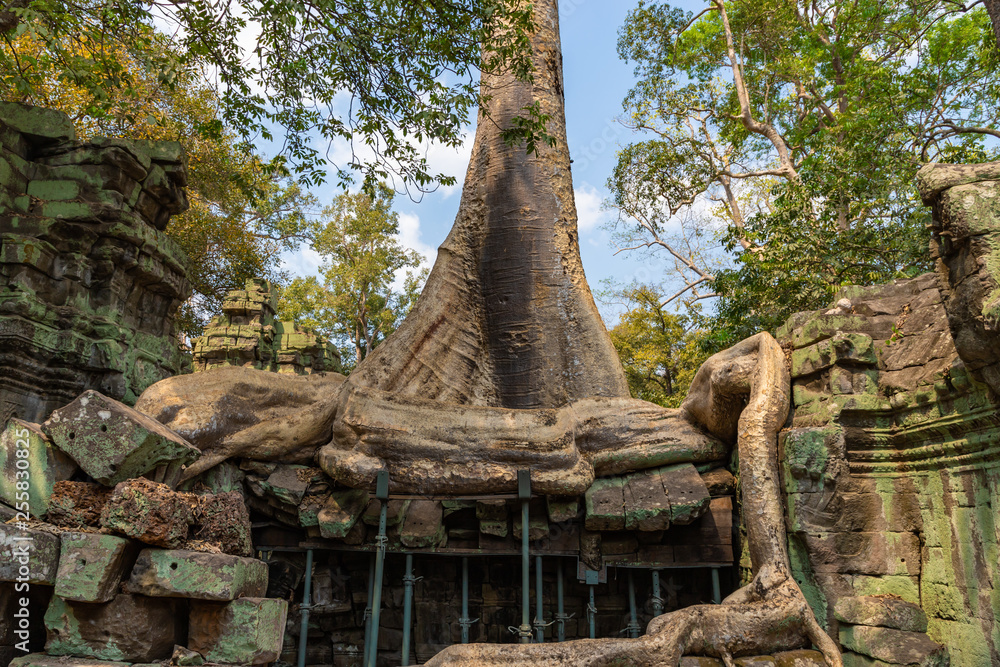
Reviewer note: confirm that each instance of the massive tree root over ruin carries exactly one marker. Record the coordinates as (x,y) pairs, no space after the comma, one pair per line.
(768,614)
(504,364)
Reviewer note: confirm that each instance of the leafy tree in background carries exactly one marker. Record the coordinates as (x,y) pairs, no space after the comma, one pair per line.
(803,124)
(385,75)
(242,214)
(356,304)
(660,351)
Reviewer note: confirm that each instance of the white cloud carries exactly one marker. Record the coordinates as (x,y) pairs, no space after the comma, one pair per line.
(409,236)
(588,208)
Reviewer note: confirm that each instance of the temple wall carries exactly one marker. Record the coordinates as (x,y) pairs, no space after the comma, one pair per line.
(890,464)
(89,281)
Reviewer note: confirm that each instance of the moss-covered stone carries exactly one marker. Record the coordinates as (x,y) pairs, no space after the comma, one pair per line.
(91,566)
(129,628)
(30,464)
(341,512)
(201,576)
(248,631)
(29,554)
(111,442)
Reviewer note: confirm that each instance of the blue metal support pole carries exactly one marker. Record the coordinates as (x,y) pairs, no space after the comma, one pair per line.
(633,624)
(657,600)
(524,494)
(592,613)
(368,610)
(539,621)
(382,494)
(464,621)
(716,588)
(408,581)
(561,616)
(304,608)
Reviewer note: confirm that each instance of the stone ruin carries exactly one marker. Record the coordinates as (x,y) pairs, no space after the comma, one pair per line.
(248,335)
(237,532)
(89,282)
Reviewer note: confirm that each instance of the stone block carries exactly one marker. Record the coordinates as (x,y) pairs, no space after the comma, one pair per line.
(29,466)
(223,520)
(605,502)
(150,512)
(688,495)
(340,512)
(38,125)
(77,504)
(755,661)
(561,508)
(288,483)
(719,482)
(111,442)
(44,660)
(393,516)
(538,521)
(423,525)
(30,554)
(196,575)
(129,628)
(881,611)
(248,631)
(647,506)
(91,566)
(799,658)
(894,646)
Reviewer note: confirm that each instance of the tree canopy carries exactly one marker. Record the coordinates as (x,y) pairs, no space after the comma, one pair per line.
(356,304)
(383,76)
(800,127)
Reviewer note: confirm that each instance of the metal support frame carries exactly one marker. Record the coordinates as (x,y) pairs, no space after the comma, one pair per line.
(465,622)
(591,578)
(716,587)
(524,495)
(657,600)
(539,612)
(408,581)
(368,610)
(382,494)
(633,622)
(561,616)
(304,608)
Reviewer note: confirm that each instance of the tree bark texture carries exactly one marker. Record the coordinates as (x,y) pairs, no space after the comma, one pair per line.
(993,9)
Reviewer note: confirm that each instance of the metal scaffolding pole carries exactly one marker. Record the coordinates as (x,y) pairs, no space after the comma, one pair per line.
(368,610)
(524,495)
(561,616)
(304,608)
(464,621)
(539,621)
(716,588)
(591,578)
(382,494)
(633,624)
(657,600)
(408,581)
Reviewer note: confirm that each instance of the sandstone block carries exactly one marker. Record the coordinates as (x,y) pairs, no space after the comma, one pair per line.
(719,482)
(394,512)
(894,646)
(248,631)
(29,466)
(129,628)
(688,495)
(91,566)
(562,508)
(29,554)
(150,512)
(196,575)
(77,504)
(647,506)
(288,483)
(605,501)
(36,123)
(881,611)
(44,660)
(340,512)
(799,658)
(111,442)
(223,520)
(423,525)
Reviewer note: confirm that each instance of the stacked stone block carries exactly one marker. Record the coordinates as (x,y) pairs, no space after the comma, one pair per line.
(128,574)
(247,334)
(89,282)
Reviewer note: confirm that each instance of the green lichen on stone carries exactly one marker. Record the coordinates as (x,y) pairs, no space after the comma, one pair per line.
(91,566)
(248,631)
(30,464)
(201,576)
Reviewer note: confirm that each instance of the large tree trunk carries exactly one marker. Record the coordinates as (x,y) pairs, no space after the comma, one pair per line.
(506,318)
(993,9)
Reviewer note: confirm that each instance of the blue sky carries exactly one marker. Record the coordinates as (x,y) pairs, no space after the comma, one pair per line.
(596,82)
